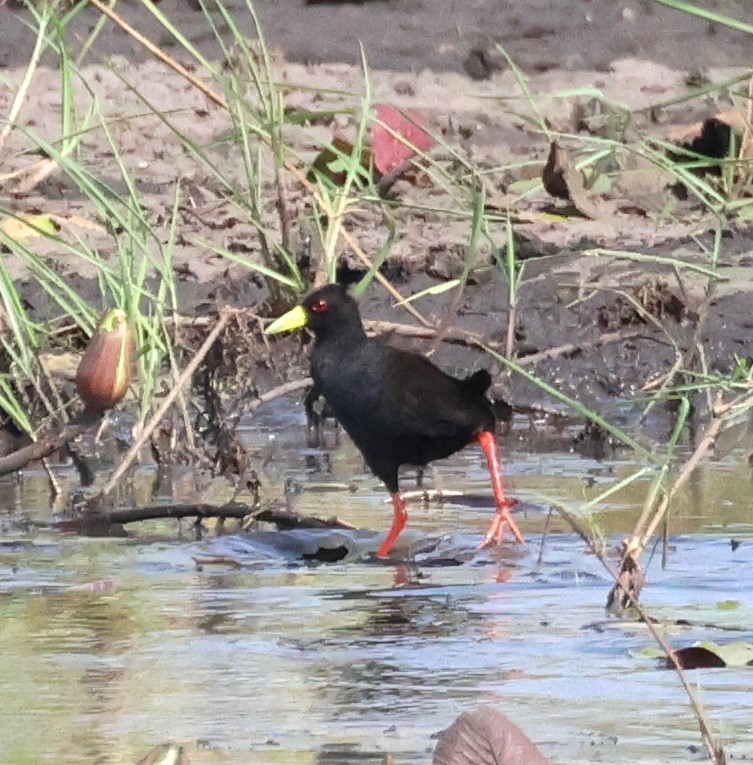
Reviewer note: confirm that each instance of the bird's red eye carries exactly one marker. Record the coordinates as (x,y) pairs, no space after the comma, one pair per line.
(320,306)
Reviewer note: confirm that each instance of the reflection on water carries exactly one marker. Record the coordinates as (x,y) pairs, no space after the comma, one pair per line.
(112,646)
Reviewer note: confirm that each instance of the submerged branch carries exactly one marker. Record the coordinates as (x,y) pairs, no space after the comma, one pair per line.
(97,518)
(46,445)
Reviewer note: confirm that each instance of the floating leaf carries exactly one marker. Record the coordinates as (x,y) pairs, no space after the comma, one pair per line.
(647,652)
(485,737)
(736,654)
(703,655)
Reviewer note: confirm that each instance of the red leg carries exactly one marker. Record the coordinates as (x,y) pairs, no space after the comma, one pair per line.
(398,523)
(489,445)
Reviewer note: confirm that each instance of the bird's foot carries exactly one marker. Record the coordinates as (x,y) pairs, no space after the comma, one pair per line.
(496,532)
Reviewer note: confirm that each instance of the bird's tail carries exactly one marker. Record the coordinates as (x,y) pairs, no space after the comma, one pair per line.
(478,382)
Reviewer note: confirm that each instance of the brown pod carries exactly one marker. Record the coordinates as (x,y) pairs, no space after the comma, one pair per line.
(104,372)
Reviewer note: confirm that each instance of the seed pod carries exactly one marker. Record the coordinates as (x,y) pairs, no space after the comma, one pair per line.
(104,372)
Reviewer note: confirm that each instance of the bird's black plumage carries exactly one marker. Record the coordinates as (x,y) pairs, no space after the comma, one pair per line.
(397,407)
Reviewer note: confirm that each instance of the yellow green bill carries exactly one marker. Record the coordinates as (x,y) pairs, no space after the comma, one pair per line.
(293,319)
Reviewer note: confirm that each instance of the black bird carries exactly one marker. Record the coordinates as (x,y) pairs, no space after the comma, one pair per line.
(397,407)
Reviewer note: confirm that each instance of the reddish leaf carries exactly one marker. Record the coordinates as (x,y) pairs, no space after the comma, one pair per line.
(485,737)
(389,150)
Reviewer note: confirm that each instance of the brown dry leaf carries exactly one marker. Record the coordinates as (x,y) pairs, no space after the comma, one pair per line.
(563,180)
(712,137)
(696,657)
(685,134)
(712,140)
(78,221)
(330,163)
(485,737)
(25,226)
(24,180)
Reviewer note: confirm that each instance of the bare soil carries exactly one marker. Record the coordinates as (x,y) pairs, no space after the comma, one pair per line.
(638,54)
(413,35)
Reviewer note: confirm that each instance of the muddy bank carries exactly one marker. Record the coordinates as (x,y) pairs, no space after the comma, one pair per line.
(575,292)
(413,35)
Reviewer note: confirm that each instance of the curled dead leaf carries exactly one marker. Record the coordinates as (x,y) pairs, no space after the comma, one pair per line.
(563,180)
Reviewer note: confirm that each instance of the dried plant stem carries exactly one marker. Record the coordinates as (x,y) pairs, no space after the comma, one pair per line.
(746,144)
(714,748)
(41,448)
(18,101)
(706,443)
(476,340)
(280,390)
(160,54)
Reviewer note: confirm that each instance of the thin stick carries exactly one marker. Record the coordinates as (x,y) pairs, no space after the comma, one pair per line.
(383,280)
(161,55)
(166,404)
(714,748)
(41,448)
(280,390)
(150,512)
(476,340)
(706,443)
(26,82)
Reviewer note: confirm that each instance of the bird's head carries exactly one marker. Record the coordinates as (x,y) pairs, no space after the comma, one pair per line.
(328,311)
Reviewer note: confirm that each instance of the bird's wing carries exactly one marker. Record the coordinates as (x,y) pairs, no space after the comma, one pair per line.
(424,401)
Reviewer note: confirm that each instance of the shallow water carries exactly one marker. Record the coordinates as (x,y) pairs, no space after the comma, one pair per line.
(111,646)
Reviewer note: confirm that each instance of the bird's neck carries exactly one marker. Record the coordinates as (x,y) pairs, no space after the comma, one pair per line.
(345,336)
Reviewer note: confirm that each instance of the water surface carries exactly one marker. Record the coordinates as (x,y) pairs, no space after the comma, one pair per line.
(111,646)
